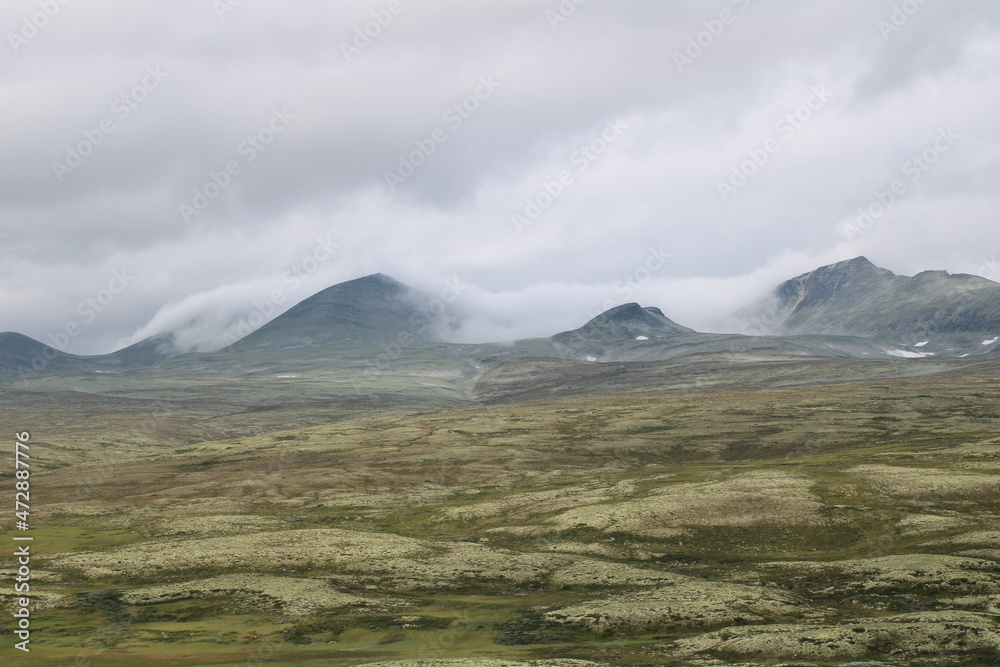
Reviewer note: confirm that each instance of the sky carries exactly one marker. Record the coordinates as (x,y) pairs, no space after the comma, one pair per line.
(185,166)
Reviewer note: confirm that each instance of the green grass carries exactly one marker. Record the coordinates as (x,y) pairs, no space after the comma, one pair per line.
(503,475)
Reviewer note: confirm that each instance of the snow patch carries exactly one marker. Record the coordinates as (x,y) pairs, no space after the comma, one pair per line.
(906,354)
(589,358)
(642,337)
(921,344)
(963,356)
(991,341)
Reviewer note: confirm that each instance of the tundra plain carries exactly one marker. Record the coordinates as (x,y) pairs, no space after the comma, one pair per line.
(823,522)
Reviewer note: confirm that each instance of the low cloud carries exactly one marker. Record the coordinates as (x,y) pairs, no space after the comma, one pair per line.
(349,121)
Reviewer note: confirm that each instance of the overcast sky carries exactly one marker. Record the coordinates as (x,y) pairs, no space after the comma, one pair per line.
(182,165)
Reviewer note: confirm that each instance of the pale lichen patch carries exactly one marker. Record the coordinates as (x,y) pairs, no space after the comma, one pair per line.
(920,524)
(216,524)
(39,599)
(288,595)
(521,531)
(688,602)
(590,572)
(905,482)
(484,662)
(759,498)
(601,549)
(291,548)
(903,572)
(540,502)
(458,564)
(976,538)
(924,634)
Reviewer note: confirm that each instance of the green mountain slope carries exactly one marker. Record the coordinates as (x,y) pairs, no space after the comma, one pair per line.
(856,298)
(373,308)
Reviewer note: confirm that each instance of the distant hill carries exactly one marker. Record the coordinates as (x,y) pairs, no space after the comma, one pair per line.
(851,309)
(147,352)
(623,323)
(628,331)
(370,309)
(857,298)
(631,332)
(23,357)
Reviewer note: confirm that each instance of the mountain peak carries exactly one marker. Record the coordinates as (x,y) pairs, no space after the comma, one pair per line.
(374,307)
(863,265)
(634,315)
(858,267)
(858,298)
(859,262)
(374,280)
(627,312)
(626,322)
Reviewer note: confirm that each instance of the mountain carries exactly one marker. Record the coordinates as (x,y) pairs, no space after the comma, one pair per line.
(628,331)
(376,329)
(147,352)
(624,323)
(370,309)
(857,298)
(23,357)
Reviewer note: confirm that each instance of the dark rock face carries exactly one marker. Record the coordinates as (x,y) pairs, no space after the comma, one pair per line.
(857,298)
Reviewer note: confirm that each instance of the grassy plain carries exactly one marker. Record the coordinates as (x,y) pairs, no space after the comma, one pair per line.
(818,523)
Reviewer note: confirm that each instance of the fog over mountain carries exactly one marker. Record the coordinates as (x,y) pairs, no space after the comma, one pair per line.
(523,332)
(196,166)
(848,309)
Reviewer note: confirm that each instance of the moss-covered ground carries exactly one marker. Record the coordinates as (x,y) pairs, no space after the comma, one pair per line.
(822,524)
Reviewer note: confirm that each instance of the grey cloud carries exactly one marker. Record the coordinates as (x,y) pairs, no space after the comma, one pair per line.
(325,173)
